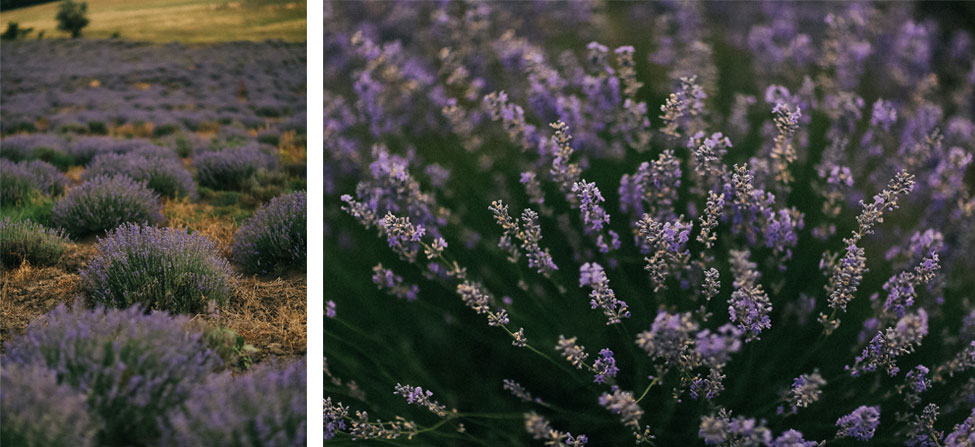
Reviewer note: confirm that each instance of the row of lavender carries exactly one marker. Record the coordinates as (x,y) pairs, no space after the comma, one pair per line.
(123,366)
(792,188)
(88,86)
(123,377)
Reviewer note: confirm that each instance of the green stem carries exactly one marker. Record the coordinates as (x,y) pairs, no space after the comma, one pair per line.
(647,390)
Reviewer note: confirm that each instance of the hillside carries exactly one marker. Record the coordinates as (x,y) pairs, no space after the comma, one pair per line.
(188,21)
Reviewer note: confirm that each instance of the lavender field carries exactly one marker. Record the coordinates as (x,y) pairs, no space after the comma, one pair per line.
(153,243)
(668,223)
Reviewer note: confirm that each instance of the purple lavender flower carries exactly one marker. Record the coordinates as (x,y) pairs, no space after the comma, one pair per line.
(602,296)
(37,410)
(528,232)
(159,268)
(666,244)
(593,214)
(334,417)
(385,279)
(265,406)
(723,429)
(622,403)
(22,181)
(541,429)
(749,309)
(885,347)
(573,352)
(605,366)
(421,398)
(964,434)
(792,438)
(805,390)
(231,169)
(749,306)
(330,309)
(922,432)
(917,379)
(273,239)
(707,387)
(715,348)
(103,203)
(860,424)
(166,176)
(133,367)
(669,338)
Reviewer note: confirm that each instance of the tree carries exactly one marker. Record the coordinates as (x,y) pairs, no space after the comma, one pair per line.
(14,32)
(72,17)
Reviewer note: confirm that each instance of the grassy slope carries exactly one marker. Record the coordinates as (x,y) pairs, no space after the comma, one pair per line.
(188,21)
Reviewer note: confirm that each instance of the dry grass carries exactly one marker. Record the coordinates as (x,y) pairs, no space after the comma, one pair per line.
(199,218)
(29,292)
(74,174)
(291,152)
(270,315)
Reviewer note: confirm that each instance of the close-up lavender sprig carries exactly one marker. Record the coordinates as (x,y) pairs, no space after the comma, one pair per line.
(756,218)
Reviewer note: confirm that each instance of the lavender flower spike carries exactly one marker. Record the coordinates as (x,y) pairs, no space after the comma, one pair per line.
(420,397)
(602,296)
(860,424)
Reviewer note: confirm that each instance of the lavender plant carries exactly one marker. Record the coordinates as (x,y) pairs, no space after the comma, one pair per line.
(130,367)
(20,182)
(105,202)
(38,411)
(266,406)
(273,239)
(230,168)
(45,147)
(767,207)
(164,175)
(25,240)
(157,268)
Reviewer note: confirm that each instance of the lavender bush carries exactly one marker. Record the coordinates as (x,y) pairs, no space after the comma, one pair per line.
(105,202)
(46,147)
(157,268)
(728,224)
(85,149)
(132,367)
(142,88)
(274,238)
(29,241)
(264,407)
(22,181)
(230,168)
(164,175)
(37,411)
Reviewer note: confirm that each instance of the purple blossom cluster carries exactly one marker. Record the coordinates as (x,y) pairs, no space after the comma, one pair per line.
(37,410)
(132,367)
(157,268)
(385,279)
(105,202)
(266,406)
(20,182)
(91,86)
(860,424)
(231,169)
(817,154)
(602,296)
(163,174)
(273,239)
